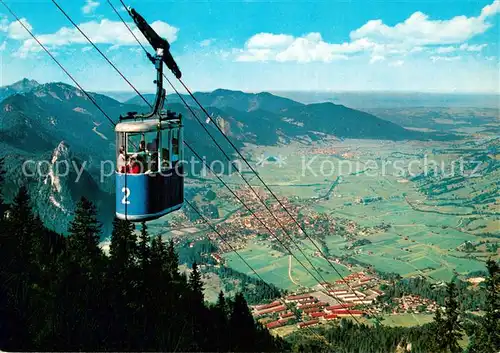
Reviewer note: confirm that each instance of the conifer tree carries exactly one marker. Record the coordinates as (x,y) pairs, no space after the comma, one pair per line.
(242,326)
(221,303)
(16,275)
(492,316)
(121,282)
(144,248)
(221,322)
(158,256)
(67,296)
(85,232)
(196,284)
(123,246)
(486,338)
(448,327)
(82,279)
(172,261)
(20,224)
(2,181)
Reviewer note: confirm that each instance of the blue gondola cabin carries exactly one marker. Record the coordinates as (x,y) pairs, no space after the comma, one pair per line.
(149,172)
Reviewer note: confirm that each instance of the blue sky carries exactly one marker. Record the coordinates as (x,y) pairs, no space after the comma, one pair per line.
(429,46)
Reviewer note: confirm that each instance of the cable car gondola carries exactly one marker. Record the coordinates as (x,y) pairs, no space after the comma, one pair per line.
(149,148)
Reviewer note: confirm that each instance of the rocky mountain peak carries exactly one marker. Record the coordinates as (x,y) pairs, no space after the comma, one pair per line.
(61,152)
(24,85)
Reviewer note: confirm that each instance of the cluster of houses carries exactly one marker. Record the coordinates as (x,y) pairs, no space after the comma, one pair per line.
(303,309)
(355,289)
(414,304)
(343,298)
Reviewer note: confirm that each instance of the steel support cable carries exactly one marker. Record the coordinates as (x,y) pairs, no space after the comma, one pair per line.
(224,153)
(232,163)
(261,222)
(268,188)
(96,48)
(252,212)
(220,147)
(145,100)
(271,192)
(223,239)
(113,123)
(57,62)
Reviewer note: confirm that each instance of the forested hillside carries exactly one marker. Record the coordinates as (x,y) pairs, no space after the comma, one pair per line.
(64,294)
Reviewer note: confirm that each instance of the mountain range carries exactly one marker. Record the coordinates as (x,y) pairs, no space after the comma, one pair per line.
(57,123)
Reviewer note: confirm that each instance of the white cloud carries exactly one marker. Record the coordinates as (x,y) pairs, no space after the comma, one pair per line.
(418,33)
(3,46)
(114,47)
(269,40)
(397,63)
(206,42)
(376,58)
(444,50)
(103,32)
(308,48)
(435,58)
(85,49)
(4,23)
(474,47)
(491,10)
(464,47)
(419,29)
(417,49)
(90,6)
(255,55)
(15,30)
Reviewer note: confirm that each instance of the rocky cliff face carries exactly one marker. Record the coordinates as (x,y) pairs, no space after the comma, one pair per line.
(53,139)
(22,86)
(56,181)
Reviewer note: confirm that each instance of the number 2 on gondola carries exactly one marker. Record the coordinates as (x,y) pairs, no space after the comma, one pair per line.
(126,191)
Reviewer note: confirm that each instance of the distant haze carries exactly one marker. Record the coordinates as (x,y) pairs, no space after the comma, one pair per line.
(364,100)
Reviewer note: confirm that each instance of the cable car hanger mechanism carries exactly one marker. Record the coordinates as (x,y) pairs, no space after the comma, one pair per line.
(162,55)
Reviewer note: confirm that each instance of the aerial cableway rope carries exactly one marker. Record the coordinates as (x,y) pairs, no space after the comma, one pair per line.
(223,239)
(146,101)
(104,113)
(238,152)
(232,163)
(96,48)
(57,62)
(220,148)
(93,101)
(113,123)
(268,188)
(321,283)
(244,159)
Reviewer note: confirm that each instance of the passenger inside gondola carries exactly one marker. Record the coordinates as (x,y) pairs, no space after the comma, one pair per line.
(122,160)
(142,156)
(135,166)
(145,155)
(175,150)
(165,159)
(153,146)
(142,147)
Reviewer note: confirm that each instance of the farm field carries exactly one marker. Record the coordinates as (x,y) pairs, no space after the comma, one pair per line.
(273,266)
(407,320)
(348,180)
